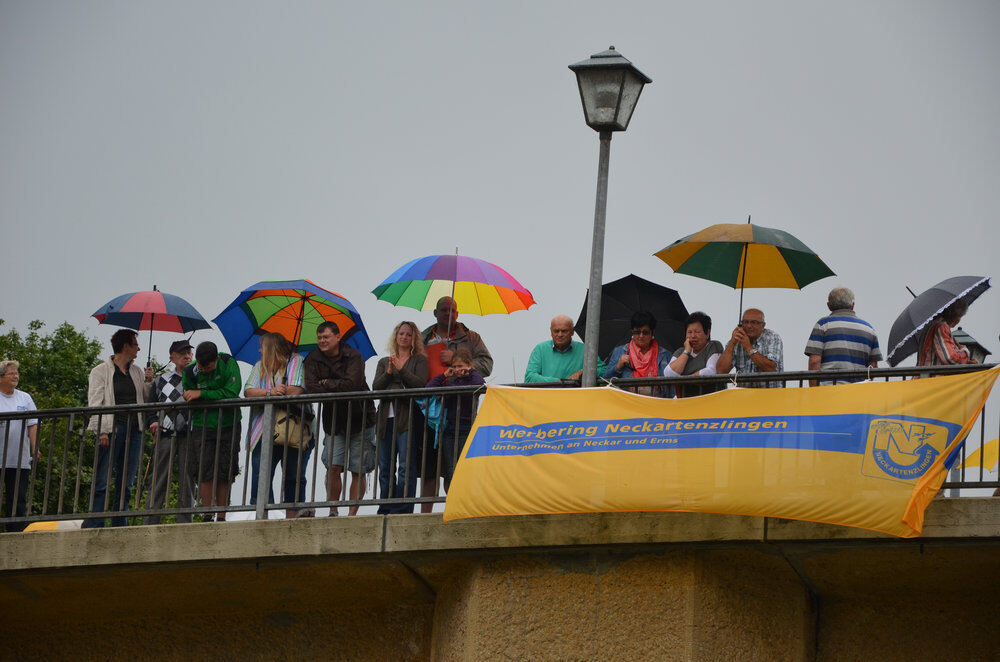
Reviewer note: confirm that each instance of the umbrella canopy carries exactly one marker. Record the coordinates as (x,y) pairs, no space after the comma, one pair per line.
(623,297)
(745,255)
(985,457)
(742,255)
(478,287)
(904,338)
(293,308)
(151,310)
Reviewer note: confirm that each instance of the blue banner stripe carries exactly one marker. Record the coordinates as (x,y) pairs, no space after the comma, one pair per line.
(847,433)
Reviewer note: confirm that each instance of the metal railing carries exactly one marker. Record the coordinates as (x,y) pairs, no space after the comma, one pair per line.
(71,476)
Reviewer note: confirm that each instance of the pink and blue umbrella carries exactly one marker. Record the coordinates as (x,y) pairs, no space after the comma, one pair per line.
(151,310)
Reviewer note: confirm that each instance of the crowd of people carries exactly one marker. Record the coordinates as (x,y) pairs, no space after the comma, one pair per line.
(408,439)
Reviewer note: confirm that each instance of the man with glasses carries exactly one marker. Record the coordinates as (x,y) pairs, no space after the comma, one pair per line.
(753,348)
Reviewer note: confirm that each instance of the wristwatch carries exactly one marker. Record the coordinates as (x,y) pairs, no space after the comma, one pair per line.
(754,351)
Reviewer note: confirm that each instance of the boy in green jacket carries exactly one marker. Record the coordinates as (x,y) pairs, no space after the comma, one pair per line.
(215,431)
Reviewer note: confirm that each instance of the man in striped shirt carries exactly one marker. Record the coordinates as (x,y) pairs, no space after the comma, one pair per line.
(842,340)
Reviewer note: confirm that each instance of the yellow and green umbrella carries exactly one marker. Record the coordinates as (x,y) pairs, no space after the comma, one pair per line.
(742,255)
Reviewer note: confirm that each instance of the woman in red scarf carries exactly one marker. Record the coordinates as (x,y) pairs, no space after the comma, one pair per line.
(640,357)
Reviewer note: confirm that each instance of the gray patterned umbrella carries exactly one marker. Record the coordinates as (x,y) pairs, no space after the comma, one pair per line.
(904,338)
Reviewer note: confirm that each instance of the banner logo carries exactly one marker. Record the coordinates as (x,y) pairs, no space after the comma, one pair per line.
(902,450)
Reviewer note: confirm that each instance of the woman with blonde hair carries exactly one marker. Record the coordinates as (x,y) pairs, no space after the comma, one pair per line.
(399,423)
(279,372)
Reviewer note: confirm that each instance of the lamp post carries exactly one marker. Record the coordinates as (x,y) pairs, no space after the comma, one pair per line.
(609,89)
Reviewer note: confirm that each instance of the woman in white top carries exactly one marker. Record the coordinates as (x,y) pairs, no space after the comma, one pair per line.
(18,445)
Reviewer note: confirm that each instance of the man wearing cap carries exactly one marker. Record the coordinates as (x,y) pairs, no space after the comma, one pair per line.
(173,440)
(215,433)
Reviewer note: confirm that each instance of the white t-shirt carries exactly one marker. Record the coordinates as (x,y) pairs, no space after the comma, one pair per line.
(16,454)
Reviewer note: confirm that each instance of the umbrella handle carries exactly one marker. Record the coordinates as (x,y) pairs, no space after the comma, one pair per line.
(746,258)
(149,353)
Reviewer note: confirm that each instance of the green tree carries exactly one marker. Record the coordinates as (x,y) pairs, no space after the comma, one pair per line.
(55,371)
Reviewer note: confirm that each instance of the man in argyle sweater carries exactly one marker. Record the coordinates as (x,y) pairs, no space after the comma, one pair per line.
(173,441)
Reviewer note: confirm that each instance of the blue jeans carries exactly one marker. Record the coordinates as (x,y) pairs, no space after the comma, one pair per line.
(123,454)
(387,456)
(293,472)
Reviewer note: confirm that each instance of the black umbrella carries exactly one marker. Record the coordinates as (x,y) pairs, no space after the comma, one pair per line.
(623,297)
(904,338)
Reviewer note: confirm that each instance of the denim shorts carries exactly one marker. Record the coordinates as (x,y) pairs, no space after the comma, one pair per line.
(359,441)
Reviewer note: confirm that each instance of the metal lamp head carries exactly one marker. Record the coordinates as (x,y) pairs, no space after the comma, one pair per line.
(609,88)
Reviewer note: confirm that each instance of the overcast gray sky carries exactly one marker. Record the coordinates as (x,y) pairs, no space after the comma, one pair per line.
(204,146)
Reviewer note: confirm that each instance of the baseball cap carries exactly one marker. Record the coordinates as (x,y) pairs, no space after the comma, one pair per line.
(179,346)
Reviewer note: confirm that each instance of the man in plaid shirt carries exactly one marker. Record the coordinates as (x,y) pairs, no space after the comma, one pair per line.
(753,349)
(173,440)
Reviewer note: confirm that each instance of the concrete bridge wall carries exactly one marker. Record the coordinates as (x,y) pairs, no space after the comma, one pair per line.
(636,586)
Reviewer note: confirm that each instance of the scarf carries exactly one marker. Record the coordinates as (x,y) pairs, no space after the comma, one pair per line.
(643,365)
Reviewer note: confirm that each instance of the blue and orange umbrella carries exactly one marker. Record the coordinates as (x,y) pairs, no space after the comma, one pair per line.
(477,286)
(151,310)
(293,308)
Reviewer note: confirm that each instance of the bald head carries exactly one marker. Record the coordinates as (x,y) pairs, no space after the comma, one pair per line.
(752,323)
(446,313)
(561,329)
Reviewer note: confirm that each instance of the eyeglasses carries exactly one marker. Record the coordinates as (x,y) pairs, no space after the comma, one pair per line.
(641,332)
(750,323)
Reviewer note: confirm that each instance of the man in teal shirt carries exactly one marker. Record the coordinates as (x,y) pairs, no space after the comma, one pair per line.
(562,358)
(215,431)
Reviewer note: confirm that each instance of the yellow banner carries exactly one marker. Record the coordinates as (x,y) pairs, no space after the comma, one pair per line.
(869,455)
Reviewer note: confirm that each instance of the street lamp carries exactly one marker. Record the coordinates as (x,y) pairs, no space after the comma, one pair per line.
(609,89)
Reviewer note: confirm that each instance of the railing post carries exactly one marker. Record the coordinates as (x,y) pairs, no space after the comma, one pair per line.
(266,445)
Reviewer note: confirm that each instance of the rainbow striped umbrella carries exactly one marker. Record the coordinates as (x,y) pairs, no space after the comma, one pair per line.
(478,287)
(293,308)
